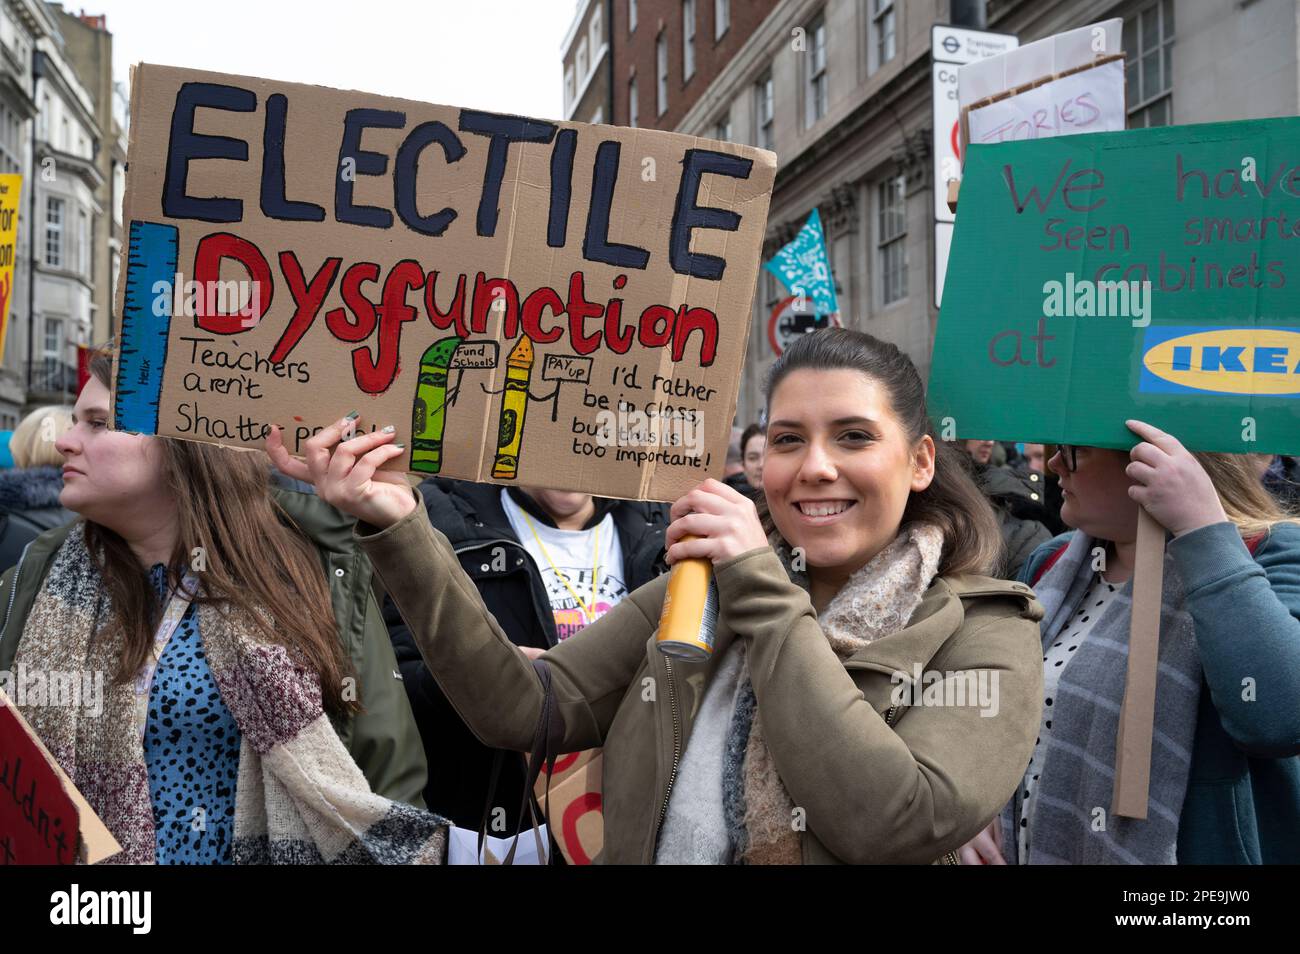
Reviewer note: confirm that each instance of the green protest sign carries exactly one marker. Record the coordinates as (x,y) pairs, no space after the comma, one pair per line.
(1151,274)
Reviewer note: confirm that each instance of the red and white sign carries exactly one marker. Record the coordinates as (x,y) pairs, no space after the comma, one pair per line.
(793,318)
(950,47)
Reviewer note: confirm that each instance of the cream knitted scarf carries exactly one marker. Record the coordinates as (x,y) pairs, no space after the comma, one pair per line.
(753,824)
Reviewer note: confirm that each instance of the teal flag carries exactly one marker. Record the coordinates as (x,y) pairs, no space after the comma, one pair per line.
(805,269)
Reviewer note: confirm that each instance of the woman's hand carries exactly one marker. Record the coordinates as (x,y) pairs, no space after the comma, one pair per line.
(1171,483)
(984,848)
(346,472)
(723,519)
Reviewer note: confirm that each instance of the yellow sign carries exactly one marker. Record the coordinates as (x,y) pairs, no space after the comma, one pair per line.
(11,186)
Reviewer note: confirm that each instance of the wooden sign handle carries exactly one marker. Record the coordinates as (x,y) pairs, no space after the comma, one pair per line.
(1133,740)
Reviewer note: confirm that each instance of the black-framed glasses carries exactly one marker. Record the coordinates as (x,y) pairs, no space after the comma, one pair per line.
(1070,455)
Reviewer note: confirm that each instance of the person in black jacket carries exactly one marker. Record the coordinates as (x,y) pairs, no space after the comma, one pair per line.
(753,443)
(1018,500)
(513,545)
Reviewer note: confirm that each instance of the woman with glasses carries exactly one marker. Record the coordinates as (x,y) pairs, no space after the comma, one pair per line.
(1225,780)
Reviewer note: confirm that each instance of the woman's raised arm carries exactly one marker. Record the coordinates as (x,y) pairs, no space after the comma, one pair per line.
(490,683)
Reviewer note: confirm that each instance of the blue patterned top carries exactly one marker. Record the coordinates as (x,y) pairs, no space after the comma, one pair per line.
(191,750)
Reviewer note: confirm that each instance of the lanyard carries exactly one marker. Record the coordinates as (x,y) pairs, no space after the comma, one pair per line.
(588,611)
(171,619)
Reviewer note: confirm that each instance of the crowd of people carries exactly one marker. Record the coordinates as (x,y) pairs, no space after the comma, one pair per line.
(309,659)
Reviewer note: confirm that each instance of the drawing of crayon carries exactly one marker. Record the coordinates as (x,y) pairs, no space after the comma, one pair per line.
(429,412)
(519,368)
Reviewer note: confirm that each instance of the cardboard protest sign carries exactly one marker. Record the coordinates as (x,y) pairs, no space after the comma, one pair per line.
(11,187)
(1148,274)
(1087,101)
(1022,70)
(545,303)
(43,818)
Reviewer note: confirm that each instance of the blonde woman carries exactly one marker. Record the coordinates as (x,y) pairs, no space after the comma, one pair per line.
(29,493)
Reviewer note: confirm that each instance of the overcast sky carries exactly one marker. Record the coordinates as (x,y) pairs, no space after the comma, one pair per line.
(501,55)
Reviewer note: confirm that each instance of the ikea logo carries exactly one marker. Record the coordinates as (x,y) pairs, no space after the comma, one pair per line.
(1256,361)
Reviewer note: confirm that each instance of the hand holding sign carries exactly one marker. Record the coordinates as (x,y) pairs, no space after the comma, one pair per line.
(346,473)
(1171,484)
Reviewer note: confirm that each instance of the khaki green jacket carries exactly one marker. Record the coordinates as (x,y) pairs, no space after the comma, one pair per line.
(878,782)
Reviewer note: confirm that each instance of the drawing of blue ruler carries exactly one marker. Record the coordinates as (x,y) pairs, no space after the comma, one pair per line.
(152,255)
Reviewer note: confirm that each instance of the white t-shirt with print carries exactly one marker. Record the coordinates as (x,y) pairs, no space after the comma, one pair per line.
(572,553)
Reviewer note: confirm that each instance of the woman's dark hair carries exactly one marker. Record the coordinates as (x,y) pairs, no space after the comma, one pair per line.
(752,431)
(253,560)
(952,502)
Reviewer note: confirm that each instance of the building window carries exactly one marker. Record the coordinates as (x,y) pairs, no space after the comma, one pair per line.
(83,264)
(721,17)
(883,29)
(10,140)
(631,16)
(816,59)
(688,39)
(54,232)
(764,99)
(722,128)
(595,33)
(582,59)
(53,339)
(568,88)
(1149,65)
(891,239)
(633,113)
(661,73)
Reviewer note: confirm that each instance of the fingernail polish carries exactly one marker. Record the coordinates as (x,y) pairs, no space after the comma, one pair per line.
(389,429)
(400,446)
(352,415)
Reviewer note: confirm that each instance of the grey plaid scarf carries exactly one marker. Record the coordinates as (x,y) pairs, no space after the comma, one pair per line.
(1072,822)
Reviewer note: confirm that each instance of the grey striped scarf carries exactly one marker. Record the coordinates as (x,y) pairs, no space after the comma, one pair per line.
(1072,822)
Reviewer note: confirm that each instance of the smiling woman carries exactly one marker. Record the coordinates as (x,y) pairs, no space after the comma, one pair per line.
(850,460)
(795,742)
